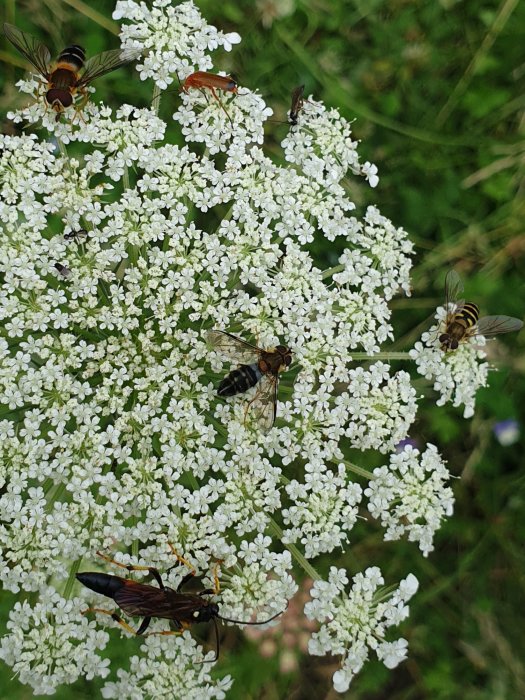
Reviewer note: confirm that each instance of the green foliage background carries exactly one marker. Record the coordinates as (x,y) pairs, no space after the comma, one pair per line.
(436,90)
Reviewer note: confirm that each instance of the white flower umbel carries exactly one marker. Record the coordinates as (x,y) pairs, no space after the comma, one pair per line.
(457,374)
(175,39)
(52,643)
(119,251)
(355,622)
(324,510)
(410,496)
(167,669)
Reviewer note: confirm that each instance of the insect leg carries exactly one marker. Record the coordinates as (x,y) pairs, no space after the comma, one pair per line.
(133,567)
(212,90)
(120,621)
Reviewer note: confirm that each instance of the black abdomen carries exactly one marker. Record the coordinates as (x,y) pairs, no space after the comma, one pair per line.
(241,379)
(101,583)
(74,55)
(469,314)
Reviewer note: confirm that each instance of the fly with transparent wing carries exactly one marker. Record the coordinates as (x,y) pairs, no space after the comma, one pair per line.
(70,73)
(464,322)
(258,367)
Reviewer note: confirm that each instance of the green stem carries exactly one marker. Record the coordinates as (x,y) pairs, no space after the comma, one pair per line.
(332,271)
(155,101)
(61,147)
(357,470)
(296,554)
(125,178)
(381,356)
(72,578)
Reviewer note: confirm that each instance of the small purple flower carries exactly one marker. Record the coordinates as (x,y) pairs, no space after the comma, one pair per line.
(407,442)
(507,431)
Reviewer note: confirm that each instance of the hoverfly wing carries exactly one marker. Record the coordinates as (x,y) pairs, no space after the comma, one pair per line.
(453,288)
(489,326)
(233,348)
(106,62)
(34,50)
(263,406)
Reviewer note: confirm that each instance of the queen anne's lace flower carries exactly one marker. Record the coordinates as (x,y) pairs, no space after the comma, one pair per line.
(410,496)
(52,643)
(119,251)
(167,669)
(354,623)
(457,374)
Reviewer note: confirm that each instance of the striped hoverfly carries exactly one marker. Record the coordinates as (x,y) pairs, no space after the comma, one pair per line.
(258,367)
(463,321)
(70,73)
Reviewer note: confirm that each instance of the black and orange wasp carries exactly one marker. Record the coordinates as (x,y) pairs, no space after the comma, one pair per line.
(144,600)
(70,73)
(257,367)
(463,321)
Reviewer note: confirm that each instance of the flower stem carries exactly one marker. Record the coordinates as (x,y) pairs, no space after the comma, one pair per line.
(71,578)
(296,554)
(332,271)
(357,470)
(155,101)
(62,147)
(381,356)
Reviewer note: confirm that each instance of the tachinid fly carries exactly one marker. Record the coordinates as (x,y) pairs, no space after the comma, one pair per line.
(258,367)
(464,321)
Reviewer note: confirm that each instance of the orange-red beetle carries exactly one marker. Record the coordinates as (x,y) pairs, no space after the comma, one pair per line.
(201,79)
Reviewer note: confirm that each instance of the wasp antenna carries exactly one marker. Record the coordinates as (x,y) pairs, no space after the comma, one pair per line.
(242,622)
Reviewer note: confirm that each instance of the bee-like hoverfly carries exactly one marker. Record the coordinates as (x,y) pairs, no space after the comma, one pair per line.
(70,73)
(144,600)
(463,321)
(257,367)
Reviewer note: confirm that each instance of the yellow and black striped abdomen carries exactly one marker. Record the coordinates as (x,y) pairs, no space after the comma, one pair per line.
(468,316)
(240,380)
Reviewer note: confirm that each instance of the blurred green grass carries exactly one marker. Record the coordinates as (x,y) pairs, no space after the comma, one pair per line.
(436,90)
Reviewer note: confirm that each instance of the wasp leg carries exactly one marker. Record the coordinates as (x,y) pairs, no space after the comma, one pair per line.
(184,562)
(133,567)
(143,626)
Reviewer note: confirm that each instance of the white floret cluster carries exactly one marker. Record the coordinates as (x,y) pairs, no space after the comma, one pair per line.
(112,434)
(457,374)
(354,621)
(410,495)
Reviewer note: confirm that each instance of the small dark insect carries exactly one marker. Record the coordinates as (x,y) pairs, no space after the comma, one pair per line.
(80,234)
(464,322)
(63,77)
(297,104)
(143,600)
(258,366)
(62,270)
